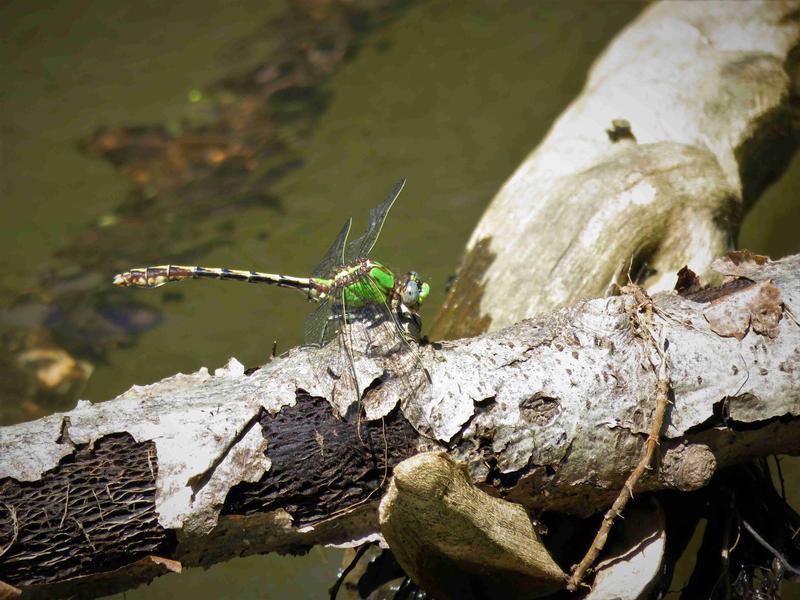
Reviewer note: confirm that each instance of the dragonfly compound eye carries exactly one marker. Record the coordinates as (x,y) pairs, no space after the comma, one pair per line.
(410,295)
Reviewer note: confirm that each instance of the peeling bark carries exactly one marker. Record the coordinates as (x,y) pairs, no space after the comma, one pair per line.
(550,413)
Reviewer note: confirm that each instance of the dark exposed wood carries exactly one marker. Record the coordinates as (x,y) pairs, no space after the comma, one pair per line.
(320,465)
(94,512)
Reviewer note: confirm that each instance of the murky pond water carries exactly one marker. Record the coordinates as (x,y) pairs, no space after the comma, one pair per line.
(450,95)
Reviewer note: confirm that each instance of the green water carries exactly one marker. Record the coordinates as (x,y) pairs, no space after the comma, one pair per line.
(450,95)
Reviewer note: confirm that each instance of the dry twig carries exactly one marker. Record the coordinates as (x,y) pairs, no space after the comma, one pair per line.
(643,316)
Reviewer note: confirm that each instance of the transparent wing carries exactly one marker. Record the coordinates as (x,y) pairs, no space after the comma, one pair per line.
(321,324)
(388,343)
(362,246)
(334,257)
(363,326)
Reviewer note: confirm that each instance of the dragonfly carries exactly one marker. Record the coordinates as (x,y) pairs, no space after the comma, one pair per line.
(349,288)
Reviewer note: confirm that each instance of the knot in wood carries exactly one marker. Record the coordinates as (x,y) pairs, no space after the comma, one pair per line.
(540,410)
(688,467)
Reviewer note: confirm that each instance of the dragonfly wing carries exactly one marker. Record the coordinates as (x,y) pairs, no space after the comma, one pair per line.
(321,325)
(389,344)
(334,257)
(365,327)
(362,246)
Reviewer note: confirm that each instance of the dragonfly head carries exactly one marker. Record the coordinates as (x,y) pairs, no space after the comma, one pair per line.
(412,290)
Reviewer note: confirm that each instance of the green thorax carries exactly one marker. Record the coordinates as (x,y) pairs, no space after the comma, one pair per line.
(363,282)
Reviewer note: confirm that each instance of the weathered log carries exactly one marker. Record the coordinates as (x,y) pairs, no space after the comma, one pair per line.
(551,413)
(684,119)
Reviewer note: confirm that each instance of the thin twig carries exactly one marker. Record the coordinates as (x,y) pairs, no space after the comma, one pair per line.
(788,312)
(150,464)
(100,508)
(727,549)
(14,528)
(780,476)
(785,563)
(66,507)
(334,591)
(644,304)
(86,535)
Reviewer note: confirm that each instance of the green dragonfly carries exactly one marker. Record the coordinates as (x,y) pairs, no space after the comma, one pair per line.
(349,288)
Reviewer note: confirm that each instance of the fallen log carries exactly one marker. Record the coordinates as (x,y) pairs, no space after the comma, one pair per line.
(684,120)
(550,413)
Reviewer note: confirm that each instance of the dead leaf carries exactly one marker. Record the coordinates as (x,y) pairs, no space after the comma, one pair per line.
(739,263)
(758,306)
(767,310)
(688,282)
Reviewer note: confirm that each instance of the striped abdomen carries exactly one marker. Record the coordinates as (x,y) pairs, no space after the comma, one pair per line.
(150,277)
